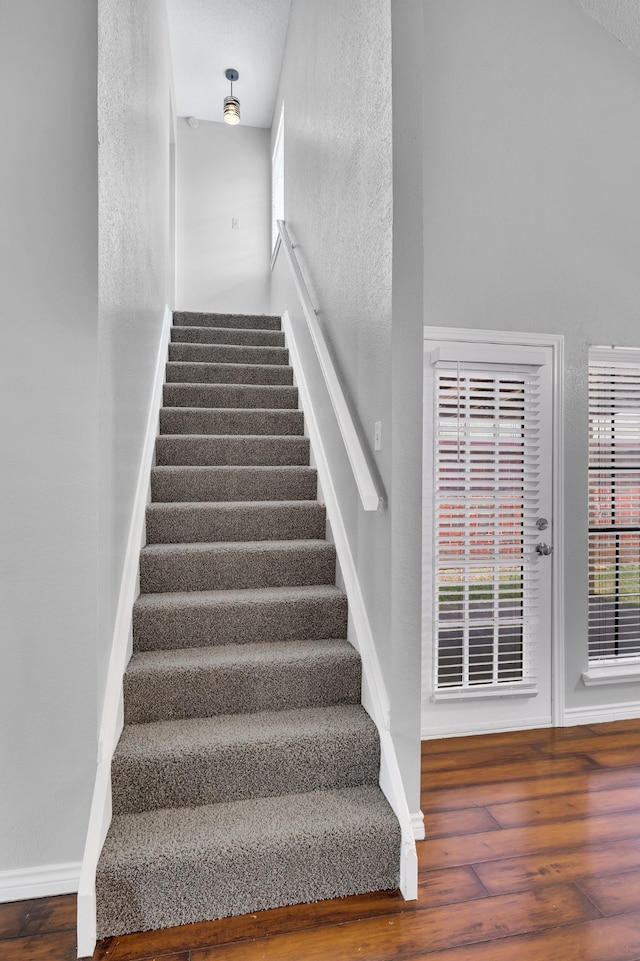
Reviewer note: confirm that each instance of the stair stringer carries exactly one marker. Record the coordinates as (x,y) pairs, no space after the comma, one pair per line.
(374,694)
(112,720)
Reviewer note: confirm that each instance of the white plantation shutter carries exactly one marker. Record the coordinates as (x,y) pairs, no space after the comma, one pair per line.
(614,506)
(486,479)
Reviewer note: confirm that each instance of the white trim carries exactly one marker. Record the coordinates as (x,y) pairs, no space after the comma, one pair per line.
(112,712)
(374,694)
(371,498)
(274,255)
(601,713)
(479,353)
(614,673)
(468,730)
(611,395)
(417,823)
(556,343)
(494,691)
(44,881)
(614,356)
(277,186)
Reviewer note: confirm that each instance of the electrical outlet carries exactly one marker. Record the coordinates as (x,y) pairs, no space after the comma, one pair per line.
(377,435)
(235,223)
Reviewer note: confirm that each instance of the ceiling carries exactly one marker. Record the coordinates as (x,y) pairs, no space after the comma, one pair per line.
(207,36)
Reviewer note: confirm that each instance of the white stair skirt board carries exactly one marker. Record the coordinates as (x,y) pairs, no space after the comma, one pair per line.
(112,713)
(601,713)
(374,695)
(44,881)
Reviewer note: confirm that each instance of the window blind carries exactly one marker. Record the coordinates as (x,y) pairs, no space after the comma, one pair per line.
(614,506)
(486,482)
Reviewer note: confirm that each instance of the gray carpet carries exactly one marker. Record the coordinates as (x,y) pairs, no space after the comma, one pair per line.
(228,450)
(246,774)
(177,523)
(199,420)
(178,372)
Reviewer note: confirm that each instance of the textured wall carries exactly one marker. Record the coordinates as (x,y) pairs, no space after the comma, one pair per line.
(48,482)
(532,212)
(620,17)
(336,88)
(133,123)
(223,172)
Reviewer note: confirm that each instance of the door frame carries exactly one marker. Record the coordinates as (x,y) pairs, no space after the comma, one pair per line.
(511,338)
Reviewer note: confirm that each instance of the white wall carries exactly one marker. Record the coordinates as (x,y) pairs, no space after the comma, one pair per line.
(49,402)
(224,172)
(531,154)
(135,270)
(336,88)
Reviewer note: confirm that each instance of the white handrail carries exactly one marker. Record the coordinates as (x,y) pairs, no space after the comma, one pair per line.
(370,496)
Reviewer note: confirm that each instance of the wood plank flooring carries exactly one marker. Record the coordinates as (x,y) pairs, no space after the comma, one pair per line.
(533,854)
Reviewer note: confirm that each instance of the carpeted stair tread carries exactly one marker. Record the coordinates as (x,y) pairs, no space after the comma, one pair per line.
(177,620)
(236,565)
(233,483)
(180,865)
(223,335)
(231,757)
(178,372)
(202,420)
(227,354)
(227,396)
(235,678)
(182,318)
(183,523)
(231,450)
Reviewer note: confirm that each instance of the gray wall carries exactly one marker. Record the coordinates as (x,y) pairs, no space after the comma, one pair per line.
(85,275)
(406,381)
(531,154)
(223,172)
(48,381)
(134,79)
(336,88)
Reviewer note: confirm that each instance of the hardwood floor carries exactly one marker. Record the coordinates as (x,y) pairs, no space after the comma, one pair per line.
(533,854)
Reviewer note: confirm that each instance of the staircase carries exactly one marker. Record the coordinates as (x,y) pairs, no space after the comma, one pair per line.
(246,776)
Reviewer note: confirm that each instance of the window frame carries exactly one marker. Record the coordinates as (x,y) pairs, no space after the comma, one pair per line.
(277,187)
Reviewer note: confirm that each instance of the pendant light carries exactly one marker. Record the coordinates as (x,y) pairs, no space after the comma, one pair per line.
(231,103)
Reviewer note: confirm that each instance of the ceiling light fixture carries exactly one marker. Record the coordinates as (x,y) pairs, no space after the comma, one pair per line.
(231,103)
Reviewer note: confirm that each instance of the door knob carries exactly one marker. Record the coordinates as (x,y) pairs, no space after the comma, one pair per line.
(544,549)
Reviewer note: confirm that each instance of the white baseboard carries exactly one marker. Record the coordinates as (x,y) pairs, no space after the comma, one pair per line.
(374,694)
(41,882)
(602,713)
(417,823)
(469,730)
(112,713)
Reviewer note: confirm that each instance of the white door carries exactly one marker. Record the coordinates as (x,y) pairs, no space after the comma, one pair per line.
(487,537)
